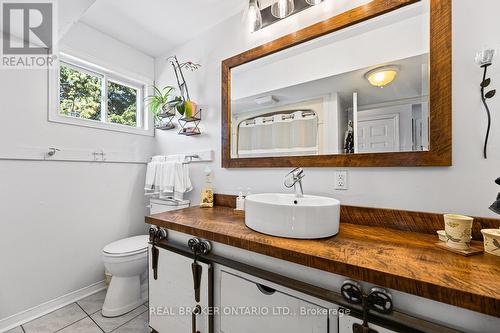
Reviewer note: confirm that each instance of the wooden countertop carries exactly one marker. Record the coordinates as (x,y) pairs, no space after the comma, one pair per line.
(401,260)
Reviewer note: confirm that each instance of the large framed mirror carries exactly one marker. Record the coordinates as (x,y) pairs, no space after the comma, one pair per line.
(370,87)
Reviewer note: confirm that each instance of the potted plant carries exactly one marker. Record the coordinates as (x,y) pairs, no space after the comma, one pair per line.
(159,103)
(183,103)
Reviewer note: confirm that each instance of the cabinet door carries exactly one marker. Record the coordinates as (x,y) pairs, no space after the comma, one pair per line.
(248,307)
(346,322)
(172,298)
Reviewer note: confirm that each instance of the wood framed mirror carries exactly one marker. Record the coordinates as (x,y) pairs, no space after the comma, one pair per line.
(370,87)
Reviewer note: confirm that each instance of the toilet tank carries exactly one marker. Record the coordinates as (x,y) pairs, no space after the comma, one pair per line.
(157,206)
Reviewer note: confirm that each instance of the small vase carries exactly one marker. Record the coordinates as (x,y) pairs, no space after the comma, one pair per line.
(491,241)
(458,230)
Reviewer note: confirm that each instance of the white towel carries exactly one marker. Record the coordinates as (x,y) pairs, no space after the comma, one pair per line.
(182,182)
(150,177)
(166,181)
(176,158)
(168,177)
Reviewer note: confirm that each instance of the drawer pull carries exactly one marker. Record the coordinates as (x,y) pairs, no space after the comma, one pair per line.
(198,247)
(265,290)
(155,235)
(196,312)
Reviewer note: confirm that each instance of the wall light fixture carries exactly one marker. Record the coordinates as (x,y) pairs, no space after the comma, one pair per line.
(484,59)
(262,13)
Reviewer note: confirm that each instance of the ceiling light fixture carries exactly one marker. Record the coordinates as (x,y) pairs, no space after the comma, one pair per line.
(314,2)
(254,15)
(267,100)
(282,8)
(382,76)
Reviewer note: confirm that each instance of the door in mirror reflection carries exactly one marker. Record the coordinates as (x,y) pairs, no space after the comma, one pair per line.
(363,89)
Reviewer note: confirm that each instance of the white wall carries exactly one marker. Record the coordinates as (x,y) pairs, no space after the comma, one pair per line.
(55,217)
(326,56)
(466,187)
(103,50)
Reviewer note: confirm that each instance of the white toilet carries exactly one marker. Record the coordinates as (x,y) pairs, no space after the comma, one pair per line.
(127,261)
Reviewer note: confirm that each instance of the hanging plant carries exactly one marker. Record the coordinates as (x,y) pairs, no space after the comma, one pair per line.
(159,102)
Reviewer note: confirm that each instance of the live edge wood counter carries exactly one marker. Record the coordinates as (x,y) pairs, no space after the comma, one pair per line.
(401,260)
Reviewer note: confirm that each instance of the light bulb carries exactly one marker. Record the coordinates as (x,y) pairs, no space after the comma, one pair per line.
(282,8)
(254,16)
(485,57)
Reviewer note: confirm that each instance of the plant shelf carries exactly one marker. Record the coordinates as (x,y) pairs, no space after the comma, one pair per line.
(189,125)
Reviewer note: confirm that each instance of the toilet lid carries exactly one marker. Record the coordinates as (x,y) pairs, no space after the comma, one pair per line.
(128,245)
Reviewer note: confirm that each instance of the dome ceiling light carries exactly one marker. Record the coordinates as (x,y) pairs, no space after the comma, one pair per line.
(382,76)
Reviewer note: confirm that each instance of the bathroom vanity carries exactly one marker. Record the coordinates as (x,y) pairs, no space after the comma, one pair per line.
(432,290)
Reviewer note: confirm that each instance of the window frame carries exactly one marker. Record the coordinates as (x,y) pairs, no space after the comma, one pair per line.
(144,121)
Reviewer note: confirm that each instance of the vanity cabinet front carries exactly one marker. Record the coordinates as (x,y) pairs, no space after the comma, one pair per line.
(249,305)
(346,323)
(172,303)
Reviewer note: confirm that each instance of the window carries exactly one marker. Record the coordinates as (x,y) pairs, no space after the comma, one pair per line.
(80,93)
(89,95)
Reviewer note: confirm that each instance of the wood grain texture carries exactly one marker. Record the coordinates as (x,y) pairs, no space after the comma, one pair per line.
(421,222)
(401,260)
(440,153)
(225,200)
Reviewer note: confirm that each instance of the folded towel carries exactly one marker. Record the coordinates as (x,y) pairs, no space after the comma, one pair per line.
(168,177)
(150,177)
(176,158)
(182,183)
(153,175)
(166,182)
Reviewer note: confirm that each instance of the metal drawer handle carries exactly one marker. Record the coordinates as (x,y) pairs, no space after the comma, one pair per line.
(196,312)
(265,290)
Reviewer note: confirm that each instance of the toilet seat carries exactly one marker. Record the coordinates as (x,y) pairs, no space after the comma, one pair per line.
(127,247)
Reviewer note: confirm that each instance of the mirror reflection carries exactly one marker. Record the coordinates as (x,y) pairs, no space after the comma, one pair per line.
(363,89)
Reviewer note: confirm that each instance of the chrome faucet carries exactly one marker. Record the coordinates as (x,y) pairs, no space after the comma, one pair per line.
(294,179)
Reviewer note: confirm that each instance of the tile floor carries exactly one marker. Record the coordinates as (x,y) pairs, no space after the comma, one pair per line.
(85,316)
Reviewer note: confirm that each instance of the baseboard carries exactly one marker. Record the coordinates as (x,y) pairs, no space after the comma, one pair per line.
(47,307)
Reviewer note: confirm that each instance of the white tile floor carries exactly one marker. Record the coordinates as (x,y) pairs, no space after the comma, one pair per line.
(85,316)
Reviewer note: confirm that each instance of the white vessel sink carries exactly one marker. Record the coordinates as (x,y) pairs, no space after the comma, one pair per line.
(285,215)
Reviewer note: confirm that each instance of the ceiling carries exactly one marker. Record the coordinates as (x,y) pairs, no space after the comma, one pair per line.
(409,83)
(157,26)
(70,12)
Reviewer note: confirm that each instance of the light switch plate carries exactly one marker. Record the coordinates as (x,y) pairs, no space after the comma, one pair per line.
(341,181)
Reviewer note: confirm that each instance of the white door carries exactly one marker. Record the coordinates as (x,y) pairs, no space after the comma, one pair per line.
(346,322)
(378,133)
(355,119)
(172,298)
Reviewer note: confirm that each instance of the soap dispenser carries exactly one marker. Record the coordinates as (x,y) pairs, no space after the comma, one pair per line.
(240,201)
(207,193)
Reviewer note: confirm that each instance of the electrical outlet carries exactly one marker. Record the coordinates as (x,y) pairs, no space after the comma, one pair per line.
(341,180)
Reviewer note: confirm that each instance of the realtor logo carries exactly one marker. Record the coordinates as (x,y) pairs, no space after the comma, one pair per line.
(28,33)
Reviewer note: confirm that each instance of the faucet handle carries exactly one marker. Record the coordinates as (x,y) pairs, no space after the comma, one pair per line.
(299,173)
(296,175)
